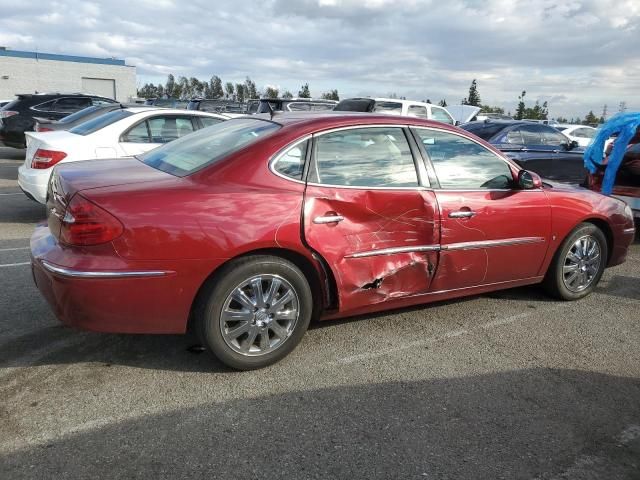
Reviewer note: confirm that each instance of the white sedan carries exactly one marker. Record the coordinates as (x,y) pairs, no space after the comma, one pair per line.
(580,133)
(120,133)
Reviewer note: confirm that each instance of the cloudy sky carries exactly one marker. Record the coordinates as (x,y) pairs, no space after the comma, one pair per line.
(577,54)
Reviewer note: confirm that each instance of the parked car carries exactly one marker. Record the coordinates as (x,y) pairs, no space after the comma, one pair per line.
(394,106)
(266,105)
(247,230)
(228,107)
(17,116)
(4,102)
(553,123)
(166,102)
(536,147)
(124,132)
(70,121)
(581,134)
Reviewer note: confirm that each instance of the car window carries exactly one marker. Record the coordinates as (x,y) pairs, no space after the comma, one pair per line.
(299,107)
(165,129)
(584,133)
(44,107)
(291,162)
(209,121)
(70,105)
(101,101)
(531,134)
(418,111)
(322,107)
(550,136)
(463,164)
(394,108)
(79,114)
(440,115)
(207,146)
(365,157)
(484,130)
(138,134)
(101,121)
(514,137)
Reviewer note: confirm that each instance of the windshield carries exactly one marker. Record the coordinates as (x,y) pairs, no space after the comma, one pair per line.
(79,114)
(193,152)
(95,124)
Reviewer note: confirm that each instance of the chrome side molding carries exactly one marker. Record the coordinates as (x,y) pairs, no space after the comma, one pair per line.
(391,251)
(328,219)
(67,272)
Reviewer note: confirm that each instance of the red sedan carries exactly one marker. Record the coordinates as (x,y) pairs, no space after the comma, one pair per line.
(247,230)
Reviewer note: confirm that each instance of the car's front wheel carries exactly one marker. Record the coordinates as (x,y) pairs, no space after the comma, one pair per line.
(578,264)
(254,312)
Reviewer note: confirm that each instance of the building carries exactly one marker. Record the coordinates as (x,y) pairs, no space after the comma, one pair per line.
(30,72)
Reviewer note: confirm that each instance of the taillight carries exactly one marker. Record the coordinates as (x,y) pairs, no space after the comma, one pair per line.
(85,223)
(40,128)
(46,158)
(7,113)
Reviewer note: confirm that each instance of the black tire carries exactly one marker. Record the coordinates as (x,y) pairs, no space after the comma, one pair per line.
(218,291)
(554,282)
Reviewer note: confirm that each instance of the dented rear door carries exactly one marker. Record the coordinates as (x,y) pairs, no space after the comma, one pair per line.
(368,215)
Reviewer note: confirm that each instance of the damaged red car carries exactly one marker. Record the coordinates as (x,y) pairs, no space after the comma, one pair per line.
(248,230)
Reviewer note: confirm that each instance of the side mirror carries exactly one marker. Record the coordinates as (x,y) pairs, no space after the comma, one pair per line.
(528,180)
(571,145)
(458,123)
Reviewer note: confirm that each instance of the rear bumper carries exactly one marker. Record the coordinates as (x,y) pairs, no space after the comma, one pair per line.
(34,182)
(104,293)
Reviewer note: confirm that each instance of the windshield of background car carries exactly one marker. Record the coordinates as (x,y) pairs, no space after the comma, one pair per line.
(205,147)
(95,124)
(79,114)
(355,105)
(485,131)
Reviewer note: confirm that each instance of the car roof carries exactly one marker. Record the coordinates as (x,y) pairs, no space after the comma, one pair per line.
(177,111)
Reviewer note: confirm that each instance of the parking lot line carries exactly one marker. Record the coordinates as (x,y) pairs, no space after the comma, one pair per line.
(17,193)
(15,264)
(12,249)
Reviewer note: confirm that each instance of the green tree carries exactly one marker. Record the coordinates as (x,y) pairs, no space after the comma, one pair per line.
(304,91)
(590,119)
(160,90)
(287,94)
(250,89)
(271,92)
(474,97)
(215,85)
(521,106)
(490,109)
(170,85)
(331,95)
(196,88)
(229,89)
(185,88)
(148,90)
(240,92)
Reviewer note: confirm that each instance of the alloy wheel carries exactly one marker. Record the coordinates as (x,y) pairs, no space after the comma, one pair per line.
(581,264)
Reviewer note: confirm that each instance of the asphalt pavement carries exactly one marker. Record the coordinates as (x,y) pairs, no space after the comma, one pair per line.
(507,385)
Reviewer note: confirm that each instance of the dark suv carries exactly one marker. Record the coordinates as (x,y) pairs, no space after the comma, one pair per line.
(18,116)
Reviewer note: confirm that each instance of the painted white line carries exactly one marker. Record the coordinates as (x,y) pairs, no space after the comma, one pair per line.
(18,193)
(15,264)
(13,249)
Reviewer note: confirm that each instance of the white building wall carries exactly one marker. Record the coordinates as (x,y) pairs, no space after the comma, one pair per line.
(28,75)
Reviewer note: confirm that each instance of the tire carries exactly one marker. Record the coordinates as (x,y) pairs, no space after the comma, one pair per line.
(254,312)
(571,259)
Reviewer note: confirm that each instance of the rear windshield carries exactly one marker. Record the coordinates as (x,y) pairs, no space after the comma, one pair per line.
(101,121)
(191,153)
(485,131)
(79,114)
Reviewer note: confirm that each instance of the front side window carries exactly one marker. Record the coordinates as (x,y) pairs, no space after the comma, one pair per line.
(393,108)
(462,164)
(207,146)
(418,111)
(514,137)
(365,157)
(440,115)
(291,162)
(532,135)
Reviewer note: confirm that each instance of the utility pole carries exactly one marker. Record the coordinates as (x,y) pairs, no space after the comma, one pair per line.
(623,107)
(604,112)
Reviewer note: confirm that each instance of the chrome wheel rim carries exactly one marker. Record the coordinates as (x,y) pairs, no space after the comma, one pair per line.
(259,315)
(582,263)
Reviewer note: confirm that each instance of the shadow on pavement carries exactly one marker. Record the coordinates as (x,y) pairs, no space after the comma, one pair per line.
(535,423)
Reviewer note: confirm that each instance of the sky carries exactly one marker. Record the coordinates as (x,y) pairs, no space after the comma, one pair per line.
(576,55)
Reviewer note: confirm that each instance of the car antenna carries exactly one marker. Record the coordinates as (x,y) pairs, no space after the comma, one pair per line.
(271,112)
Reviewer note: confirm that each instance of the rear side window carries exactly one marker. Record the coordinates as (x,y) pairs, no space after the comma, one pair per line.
(138,134)
(44,107)
(209,121)
(365,157)
(207,146)
(291,162)
(388,107)
(355,105)
(441,116)
(99,122)
(418,111)
(70,105)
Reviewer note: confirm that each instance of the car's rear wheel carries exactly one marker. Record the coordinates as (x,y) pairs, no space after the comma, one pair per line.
(578,264)
(254,312)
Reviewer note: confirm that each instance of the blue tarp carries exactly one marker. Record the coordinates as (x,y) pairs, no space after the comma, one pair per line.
(625,125)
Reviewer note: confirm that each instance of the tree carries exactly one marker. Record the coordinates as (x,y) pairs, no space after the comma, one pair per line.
(196,87)
(271,92)
(590,119)
(474,97)
(331,95)
(229,89)
(148,90)
(490,109)
(240,92)
(160,89)
(521,106)
(250,89)
(304,91)
(170,85)
(287,94)
(185,88)
(442,103)
(215,85)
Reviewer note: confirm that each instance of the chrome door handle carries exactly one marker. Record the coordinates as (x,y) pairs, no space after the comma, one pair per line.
(462,214)
(328,219)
